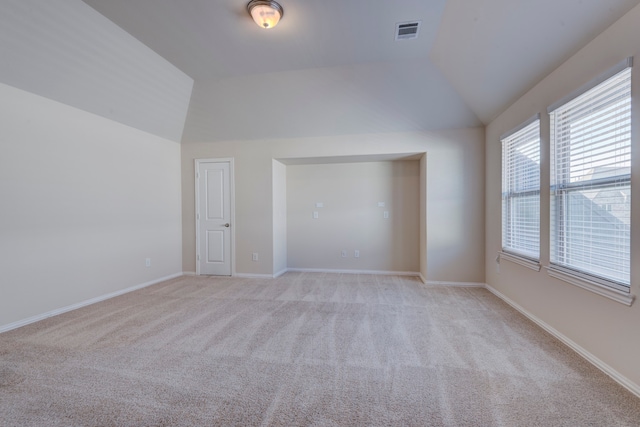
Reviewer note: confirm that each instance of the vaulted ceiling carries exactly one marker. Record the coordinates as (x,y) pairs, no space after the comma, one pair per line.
(334,67)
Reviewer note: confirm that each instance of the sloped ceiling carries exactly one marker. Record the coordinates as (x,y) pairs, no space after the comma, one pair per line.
(66,51)
(333,67)
(493,51)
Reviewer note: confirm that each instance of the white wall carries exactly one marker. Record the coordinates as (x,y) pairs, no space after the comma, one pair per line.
(84,200)
(279,217)
(89,164)
(351,219)
(454,195)
(606,329)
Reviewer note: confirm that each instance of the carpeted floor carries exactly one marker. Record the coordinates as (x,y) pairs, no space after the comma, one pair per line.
(304,349)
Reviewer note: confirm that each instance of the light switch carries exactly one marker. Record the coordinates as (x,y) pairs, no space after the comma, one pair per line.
(315,214)
(385,214)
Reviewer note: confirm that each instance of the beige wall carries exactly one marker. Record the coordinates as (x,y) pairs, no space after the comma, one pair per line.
(423,217)
(454,196)
(605,328)
(84,200)
(350,218)
(279,217)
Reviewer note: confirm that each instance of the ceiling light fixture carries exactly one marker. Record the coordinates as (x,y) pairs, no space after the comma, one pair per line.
(265,13)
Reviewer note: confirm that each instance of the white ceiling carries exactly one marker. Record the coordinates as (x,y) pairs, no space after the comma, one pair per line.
(214,39)
(333,66)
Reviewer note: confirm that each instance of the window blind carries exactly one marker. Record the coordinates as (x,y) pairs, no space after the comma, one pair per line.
(591,182)
(521,191)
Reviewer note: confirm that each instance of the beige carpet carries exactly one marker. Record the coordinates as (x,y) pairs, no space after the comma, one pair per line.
(304,349)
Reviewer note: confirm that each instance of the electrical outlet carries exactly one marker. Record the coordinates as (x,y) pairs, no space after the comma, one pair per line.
(386,214)
(344,253)
(254,256)
(315,214)
(356,254)
(147,262)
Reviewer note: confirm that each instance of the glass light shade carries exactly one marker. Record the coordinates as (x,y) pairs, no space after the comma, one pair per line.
(266,14)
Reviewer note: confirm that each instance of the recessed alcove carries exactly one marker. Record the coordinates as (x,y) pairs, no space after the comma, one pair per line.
(327,208)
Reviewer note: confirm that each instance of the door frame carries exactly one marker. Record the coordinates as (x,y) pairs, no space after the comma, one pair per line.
(232,197)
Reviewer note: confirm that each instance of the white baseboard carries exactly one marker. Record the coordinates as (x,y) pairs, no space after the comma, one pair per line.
(242,275)
(424,279)
(253,276)
(456,284)
(380,272)
(325,270)
(280,273)
(615,375)
(37,318)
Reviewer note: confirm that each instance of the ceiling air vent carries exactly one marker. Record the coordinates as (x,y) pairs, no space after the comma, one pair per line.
(407,30)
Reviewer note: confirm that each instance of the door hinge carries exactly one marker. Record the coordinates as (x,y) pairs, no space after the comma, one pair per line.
(198,256)
(198,175)
(198,216)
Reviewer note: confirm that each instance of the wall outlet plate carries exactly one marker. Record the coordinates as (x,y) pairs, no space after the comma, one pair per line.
(343,253)
(254,256)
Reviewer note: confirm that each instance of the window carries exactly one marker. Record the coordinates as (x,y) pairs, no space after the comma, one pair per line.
(521,190)
(591,182)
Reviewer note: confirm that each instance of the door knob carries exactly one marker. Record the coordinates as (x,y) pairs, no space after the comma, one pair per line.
(227,225)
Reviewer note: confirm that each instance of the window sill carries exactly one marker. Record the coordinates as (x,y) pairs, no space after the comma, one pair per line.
(590,285)
(526,262)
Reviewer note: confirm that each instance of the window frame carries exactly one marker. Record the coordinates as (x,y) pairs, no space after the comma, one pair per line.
(510,253)
(560,191)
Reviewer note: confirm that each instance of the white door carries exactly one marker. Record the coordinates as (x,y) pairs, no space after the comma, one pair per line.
(213,217)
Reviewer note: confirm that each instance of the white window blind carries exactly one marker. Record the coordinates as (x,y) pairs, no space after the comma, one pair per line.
(521,191)
(591,182)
